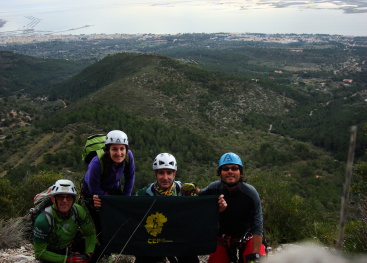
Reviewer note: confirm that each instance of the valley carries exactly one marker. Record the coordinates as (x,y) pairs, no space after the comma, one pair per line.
(286,107)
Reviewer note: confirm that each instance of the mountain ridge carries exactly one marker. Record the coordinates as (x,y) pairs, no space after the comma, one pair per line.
(157,87)
(176,83)
(166,105)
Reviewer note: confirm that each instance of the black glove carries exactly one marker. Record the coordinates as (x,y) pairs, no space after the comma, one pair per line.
(253,258)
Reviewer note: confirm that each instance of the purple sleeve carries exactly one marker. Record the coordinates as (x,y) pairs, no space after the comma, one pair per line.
(129,175)
(93,177)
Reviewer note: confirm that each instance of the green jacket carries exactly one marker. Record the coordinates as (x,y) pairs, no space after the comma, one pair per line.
(46,240)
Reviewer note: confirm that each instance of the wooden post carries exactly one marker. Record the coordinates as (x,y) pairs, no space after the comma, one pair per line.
(348,177)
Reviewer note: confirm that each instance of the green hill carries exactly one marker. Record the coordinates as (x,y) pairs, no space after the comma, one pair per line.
(165,105)
(21,74)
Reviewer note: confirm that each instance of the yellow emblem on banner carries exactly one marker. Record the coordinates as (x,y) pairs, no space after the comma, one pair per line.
(154,223)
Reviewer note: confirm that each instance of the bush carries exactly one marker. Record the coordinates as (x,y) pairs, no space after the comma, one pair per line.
(355,237)
(11,233)
(32,186)
(6,193)
(287,217)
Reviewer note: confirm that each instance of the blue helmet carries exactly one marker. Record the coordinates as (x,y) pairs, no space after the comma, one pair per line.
(230,158)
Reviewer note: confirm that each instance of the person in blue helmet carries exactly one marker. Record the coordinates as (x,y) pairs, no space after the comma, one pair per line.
(241,222)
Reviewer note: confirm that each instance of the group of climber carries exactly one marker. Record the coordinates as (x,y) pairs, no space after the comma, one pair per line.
(76,234)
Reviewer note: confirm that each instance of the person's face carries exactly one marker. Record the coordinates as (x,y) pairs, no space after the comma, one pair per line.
(230,174)
(118,152)
(165,178)
(63,202)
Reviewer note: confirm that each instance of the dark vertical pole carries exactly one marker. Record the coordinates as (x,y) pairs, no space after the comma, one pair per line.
(348,177)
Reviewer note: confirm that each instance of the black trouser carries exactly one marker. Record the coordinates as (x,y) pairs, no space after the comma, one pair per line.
(94,214)
(186,259)
(87,201)
(78,245)
(144,259)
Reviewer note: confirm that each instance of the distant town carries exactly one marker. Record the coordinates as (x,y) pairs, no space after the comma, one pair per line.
(97,46)
(6,39)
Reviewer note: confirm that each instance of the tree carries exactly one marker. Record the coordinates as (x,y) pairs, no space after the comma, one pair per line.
(287,217)
(23,198)
(356,227)
(6,193)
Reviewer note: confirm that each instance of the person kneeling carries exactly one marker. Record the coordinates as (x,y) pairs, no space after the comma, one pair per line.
(55,232)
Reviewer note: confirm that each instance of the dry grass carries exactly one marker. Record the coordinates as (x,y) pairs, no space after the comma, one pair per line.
(11,233)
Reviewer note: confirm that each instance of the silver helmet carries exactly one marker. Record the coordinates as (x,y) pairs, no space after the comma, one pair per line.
(116,137)
(63,187)
(165,161)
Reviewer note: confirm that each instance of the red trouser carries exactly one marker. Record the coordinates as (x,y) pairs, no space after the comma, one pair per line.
(221,256)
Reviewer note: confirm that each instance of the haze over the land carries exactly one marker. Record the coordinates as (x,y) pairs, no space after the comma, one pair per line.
(178,16)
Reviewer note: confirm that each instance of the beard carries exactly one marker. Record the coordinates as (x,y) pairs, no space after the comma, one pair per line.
(231,184)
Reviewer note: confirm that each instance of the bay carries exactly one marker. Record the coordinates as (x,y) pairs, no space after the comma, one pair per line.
(178,16)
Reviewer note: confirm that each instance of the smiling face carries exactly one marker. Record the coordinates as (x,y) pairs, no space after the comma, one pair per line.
(63,202)
(230,174)
(117,152)
(165,178)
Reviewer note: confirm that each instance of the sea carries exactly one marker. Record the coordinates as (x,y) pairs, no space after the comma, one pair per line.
(21,17)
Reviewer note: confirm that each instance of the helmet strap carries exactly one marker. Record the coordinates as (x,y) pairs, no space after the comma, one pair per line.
(60,214)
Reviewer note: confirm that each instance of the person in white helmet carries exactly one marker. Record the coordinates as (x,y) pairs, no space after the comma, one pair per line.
(165,169)
(55,229)
(118,162)
(111,174)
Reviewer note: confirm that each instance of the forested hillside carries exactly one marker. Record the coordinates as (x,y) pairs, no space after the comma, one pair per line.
(321,68)
(330,80)
(196,114)
(35,77)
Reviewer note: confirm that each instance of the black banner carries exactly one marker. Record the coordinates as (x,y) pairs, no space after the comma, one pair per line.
(159,225)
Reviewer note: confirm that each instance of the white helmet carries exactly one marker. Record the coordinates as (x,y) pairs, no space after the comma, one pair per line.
(63,187)
(116,137)
(165,161)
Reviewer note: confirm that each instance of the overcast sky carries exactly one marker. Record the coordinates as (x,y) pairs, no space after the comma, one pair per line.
(184,16)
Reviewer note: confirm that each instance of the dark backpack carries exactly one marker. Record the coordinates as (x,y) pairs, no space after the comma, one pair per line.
(42,204)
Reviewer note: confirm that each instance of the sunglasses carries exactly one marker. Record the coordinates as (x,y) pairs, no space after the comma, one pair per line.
(62,197)
(233,168)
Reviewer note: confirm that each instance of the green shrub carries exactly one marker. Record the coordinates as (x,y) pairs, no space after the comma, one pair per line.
(33,185)
(355,240)
(6,193)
